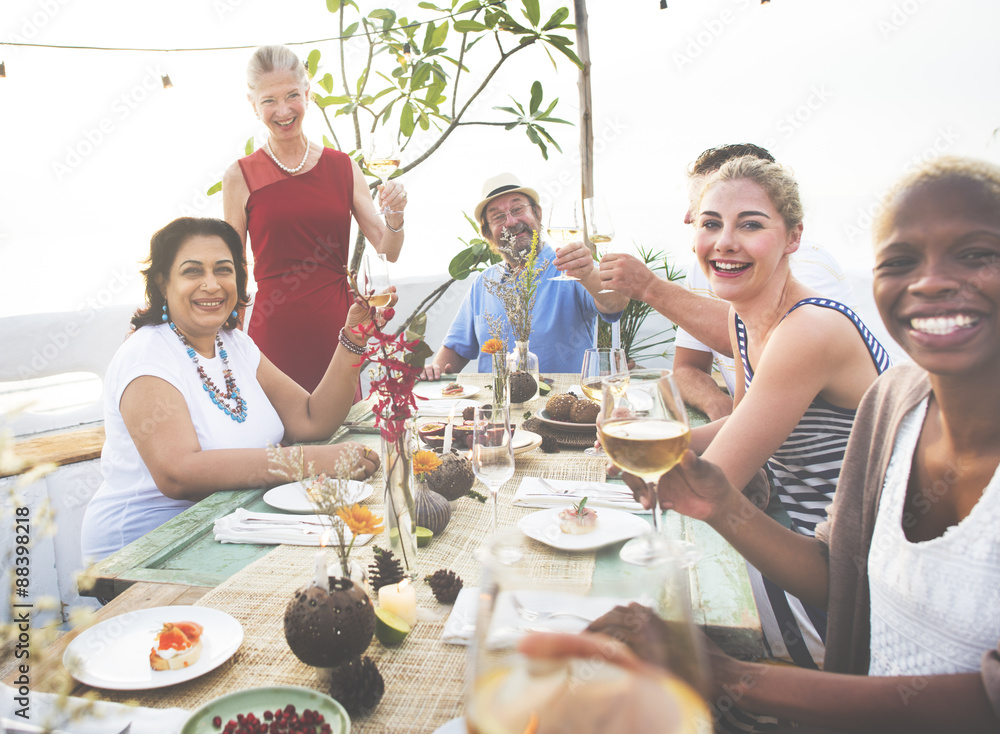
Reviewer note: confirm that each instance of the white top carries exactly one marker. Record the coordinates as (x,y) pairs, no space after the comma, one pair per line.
(934,604)
(811,265)
(128,505)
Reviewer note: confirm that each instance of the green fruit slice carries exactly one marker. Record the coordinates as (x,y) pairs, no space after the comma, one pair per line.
(544,388)
(424,536)
(390,629)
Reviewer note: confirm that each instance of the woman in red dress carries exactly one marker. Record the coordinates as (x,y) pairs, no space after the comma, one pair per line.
(295,199)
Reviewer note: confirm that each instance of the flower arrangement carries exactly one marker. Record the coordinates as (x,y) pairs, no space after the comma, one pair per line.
(329,495)
(424,463)
(517,290)
(496,347)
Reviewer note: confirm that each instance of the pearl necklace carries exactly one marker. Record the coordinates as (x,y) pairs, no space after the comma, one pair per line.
(281,165)
(238,410)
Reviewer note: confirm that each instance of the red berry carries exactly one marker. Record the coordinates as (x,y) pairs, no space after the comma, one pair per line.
(217,722)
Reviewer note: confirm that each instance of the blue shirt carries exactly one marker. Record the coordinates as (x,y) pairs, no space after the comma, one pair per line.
(563,321)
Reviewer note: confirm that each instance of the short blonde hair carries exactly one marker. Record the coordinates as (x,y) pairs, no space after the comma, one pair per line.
(774,178)
(946,169)
(268,59)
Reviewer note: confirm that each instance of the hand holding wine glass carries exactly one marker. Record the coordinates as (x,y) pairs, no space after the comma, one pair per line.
(382,158)
(600,229)
(565,225)
(492,449)
(644,430)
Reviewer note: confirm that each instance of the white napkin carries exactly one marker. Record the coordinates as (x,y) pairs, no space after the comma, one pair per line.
(442,408)
(273,528)
(532,493)
(80,716)
(507,626)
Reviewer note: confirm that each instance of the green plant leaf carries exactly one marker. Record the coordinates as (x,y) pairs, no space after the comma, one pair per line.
(556,20)
(249,147)
(532,12)
(333,5)
(562,44)
(439,37)
(349,31)
(421,75)
(406,119)
(214,188)
(536,97)
(326,83)
(469,26)
(312,62)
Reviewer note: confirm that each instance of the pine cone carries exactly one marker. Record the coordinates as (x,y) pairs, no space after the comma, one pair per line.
(385,570)
(469,413)
(550,445)
(445,584)
(358,685)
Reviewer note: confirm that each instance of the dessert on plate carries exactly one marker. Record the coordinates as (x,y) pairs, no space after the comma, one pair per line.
(578,519)
(177,645)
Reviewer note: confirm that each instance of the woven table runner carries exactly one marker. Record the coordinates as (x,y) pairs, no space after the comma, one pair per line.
(424,677)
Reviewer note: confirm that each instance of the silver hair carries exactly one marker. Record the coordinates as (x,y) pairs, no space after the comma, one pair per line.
(268,59)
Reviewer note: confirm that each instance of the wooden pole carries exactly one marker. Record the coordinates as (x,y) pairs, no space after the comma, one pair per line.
(586,114)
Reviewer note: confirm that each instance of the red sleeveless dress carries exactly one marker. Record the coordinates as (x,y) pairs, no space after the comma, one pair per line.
(300,228)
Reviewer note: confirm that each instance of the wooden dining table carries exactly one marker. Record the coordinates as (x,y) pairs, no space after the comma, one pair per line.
(182,563)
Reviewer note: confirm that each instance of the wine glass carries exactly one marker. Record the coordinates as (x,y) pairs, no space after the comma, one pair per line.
(597,365)
(524,590)
(644,430)
(600,230)
(492,449)
(382,159)
(373,279)
(565,225)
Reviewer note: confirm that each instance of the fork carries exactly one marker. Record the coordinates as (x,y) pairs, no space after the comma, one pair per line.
(568,491)
(532,615)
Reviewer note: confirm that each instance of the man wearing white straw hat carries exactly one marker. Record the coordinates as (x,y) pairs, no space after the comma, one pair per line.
(564,319)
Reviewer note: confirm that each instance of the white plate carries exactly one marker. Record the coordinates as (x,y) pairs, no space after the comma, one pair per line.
(455,726)
(432,391)
(565,425)
(612,526)
(524,441)
(115,653)
(292,497)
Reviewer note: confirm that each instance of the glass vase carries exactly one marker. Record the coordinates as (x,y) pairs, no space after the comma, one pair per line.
(400,507)
(499,382)
(523,374)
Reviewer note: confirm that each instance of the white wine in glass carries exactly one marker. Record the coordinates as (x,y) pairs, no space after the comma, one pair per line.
(565,225)
(600,230)
(382,159)
(373,279)
(644,431)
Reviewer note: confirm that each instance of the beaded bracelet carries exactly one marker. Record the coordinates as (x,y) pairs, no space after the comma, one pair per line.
(351,346)
(393,229)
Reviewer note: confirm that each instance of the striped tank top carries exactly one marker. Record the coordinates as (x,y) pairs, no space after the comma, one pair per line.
(805,468)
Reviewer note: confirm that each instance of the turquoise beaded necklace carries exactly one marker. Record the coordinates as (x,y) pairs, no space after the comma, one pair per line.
(230,402)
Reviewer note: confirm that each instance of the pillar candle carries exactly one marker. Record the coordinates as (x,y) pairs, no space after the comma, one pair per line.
(447,430)
(401,600)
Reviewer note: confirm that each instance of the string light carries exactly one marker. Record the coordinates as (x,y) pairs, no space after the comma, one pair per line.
(663,4)
(167,84)
(3,70)
(407,52)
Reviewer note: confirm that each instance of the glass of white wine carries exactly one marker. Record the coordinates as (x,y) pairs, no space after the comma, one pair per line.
(597,365)
(644,430)
(382,158)
(492,450)
(373,279)
(565,225)
(600,229)
(511,692)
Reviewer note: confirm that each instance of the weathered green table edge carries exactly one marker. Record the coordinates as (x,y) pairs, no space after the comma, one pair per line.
(184,551)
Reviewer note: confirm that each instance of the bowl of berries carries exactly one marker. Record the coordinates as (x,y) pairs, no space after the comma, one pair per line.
(284,709)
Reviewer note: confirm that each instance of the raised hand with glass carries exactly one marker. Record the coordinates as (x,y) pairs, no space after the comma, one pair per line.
(600,229)
(644,430)
(565,225)
(382,158)
(373,279)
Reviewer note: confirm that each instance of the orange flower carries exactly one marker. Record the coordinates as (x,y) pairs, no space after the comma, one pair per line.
(360,520)
(492,346)
(424,462)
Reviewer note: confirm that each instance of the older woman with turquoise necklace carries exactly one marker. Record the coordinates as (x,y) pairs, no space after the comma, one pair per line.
(192,407)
